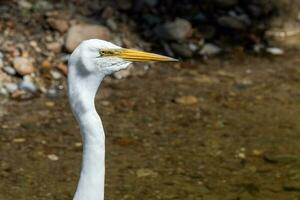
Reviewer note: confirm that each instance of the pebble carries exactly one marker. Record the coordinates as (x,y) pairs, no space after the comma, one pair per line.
(124,73)
(43,5)
(53,157)
(182,50)
(231,22)
(146,173)
(60,25)
(24,4)
(176,30)
(52,93)
(80,32)
(274,51)
(54,47)
(46,64)
(11,87)
(210,49)
(9,70)
(28,85)
(186,100)
(23,65)
(55,74)
(50,104)
(19,140)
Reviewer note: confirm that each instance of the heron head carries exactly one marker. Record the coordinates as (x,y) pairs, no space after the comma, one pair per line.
(102,56)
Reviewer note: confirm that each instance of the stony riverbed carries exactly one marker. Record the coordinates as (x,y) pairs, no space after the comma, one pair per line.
(227,128)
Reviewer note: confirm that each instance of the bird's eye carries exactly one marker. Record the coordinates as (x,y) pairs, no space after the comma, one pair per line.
(101,52)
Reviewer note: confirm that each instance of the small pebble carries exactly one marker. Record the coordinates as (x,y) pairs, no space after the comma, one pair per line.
(19,140)
(28,86)
(210,49)
(274,51)
(9,70)
(52,93)
(53,157)
(11,87)
(186,100)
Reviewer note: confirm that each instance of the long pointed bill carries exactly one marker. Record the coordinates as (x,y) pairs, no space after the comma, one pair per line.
(135,55)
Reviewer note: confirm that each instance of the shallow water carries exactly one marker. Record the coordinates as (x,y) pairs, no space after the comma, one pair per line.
(240,140)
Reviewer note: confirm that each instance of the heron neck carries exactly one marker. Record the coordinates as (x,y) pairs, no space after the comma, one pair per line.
(82,91)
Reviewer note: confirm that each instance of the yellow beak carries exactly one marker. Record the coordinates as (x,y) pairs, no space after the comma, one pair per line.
(135,55)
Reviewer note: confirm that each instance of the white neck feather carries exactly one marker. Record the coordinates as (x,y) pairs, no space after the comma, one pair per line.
(82,90)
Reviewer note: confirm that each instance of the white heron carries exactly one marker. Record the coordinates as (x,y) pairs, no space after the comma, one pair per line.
(90,62)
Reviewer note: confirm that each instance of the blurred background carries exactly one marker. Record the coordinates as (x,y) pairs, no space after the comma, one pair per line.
(223,123)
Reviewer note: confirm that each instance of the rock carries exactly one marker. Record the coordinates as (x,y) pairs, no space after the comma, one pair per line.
(210,49)
(80,32)
(146,173)
(186,100)
(19,140)
(60,25)
(23,4)
(275,51)
(54,47)
(55,74)
(23,65)
(28,85)
(43,5)
(112,24)
(11,87)
(53,157)
(231,22)
(124,73)
(9,70)
(63,68)
(182,50)
(176,30)
(46,64)
(52,93)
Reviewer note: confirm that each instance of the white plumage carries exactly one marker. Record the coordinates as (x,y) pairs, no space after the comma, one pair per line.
(90,62)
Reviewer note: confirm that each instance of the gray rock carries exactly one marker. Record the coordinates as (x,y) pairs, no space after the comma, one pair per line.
(80,32)
(9,70)
(231,22)
(11,87)
(52,93)
(182,50)
(210,49)
(3,91)
(112,24)
(43,5)
(176,30)
(23,4)
(274,51)
(28,86)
